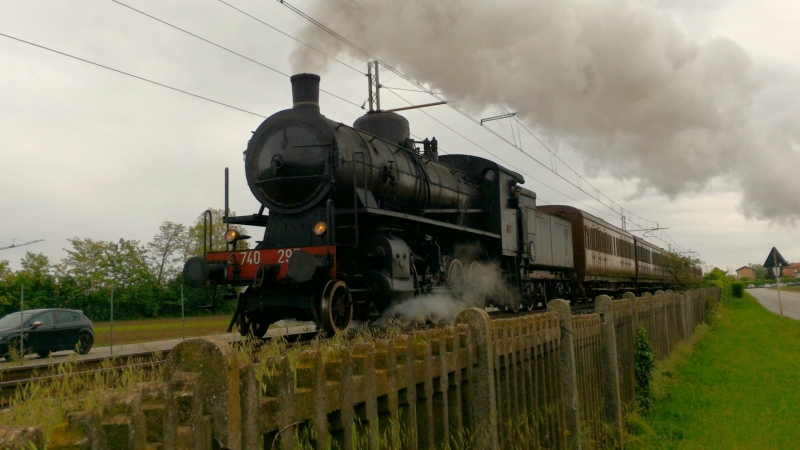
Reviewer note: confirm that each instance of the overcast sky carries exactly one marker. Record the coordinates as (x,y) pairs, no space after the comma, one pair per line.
(683,112)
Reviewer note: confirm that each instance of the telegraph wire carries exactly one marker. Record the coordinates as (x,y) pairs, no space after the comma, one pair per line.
(576,184)
(290,36)
(495,155)
(133,76)
(227,49)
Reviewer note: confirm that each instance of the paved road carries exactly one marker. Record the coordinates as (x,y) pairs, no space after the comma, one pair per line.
(769,299)
(129,349)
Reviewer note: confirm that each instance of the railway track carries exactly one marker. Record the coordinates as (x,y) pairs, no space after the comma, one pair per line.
(17,377)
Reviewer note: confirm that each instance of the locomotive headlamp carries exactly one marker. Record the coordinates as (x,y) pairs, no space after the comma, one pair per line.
(232,236)
(319,228)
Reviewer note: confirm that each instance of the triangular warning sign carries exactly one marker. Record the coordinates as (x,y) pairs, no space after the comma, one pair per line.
(774,259)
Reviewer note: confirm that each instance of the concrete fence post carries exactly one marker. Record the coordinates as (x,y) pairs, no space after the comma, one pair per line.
(123,424)
(310,375)
(634,316)
(219,380)
(159,413)
(568,373)
(609,370)
(482,385)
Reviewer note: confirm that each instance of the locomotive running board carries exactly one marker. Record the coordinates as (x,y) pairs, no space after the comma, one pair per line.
(383,212)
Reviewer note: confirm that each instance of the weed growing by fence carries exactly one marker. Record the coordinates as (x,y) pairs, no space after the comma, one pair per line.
(644,361)
(45,403)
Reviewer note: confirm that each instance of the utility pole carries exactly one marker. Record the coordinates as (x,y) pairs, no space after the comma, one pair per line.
(777,269)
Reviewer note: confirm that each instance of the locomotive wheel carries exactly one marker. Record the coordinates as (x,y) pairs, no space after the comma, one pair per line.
(456,276)
(476,292)
(336,308)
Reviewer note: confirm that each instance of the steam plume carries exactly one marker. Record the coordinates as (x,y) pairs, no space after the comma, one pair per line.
(616,80)
(483,285)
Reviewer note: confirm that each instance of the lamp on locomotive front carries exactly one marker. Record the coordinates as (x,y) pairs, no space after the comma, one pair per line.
(232,236)
(320,228)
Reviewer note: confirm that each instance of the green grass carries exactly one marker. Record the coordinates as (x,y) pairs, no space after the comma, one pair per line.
(145,330)
(737,390)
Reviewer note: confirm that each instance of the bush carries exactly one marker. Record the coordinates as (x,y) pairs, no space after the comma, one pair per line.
(737,290)
(644,362)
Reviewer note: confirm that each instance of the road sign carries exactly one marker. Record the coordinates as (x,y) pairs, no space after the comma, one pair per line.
(774,259)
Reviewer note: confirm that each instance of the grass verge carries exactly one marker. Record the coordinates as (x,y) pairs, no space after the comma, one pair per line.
(738,390)
(145,330)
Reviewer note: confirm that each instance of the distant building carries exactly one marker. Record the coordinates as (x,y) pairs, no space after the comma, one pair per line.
(746,272)
(792,270)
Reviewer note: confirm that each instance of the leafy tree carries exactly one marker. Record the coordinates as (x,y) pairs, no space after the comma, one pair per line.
(720,279)
(168,251)
(761,272)
(195,240)
(92,269)
(679,268)
(39,281)
(5,279)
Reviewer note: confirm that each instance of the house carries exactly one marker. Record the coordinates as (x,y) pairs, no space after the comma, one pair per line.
(746,272)
(792,270)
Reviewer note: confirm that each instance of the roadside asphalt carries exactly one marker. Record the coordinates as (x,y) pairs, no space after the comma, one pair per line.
(769,299)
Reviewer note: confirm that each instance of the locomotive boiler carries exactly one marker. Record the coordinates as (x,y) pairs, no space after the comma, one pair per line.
(358,218)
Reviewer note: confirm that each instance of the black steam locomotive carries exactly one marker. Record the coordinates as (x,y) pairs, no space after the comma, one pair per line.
(360,218)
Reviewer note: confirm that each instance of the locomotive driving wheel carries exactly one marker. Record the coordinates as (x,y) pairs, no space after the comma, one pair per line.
(336,308)
(477,292)
(456,275)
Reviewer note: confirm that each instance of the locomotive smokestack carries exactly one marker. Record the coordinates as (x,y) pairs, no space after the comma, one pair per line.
(305,90)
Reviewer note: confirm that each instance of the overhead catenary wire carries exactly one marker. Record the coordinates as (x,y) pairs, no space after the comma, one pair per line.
(495,155)
(329,56)
(286,75)
(227,49)
(579,179)
(133,76)
(241,11)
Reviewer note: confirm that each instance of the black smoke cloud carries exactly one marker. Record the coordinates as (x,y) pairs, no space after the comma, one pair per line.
(618,81)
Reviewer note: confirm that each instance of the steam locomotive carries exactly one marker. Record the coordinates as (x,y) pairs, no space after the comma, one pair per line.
(359,218)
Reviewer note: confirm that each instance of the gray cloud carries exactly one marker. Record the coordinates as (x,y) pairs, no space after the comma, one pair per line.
(618,81)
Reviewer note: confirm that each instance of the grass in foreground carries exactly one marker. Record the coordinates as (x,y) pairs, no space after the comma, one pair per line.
(737,391)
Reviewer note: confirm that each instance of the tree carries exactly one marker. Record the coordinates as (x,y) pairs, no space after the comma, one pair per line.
(92,269)
(195,240)
(168,251)
(37,277)
(5,281)
(761,272)
(679,268)
(720,279)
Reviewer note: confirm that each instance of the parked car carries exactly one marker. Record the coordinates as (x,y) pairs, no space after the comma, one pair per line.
(45,331)
(751,286)
(767,285)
